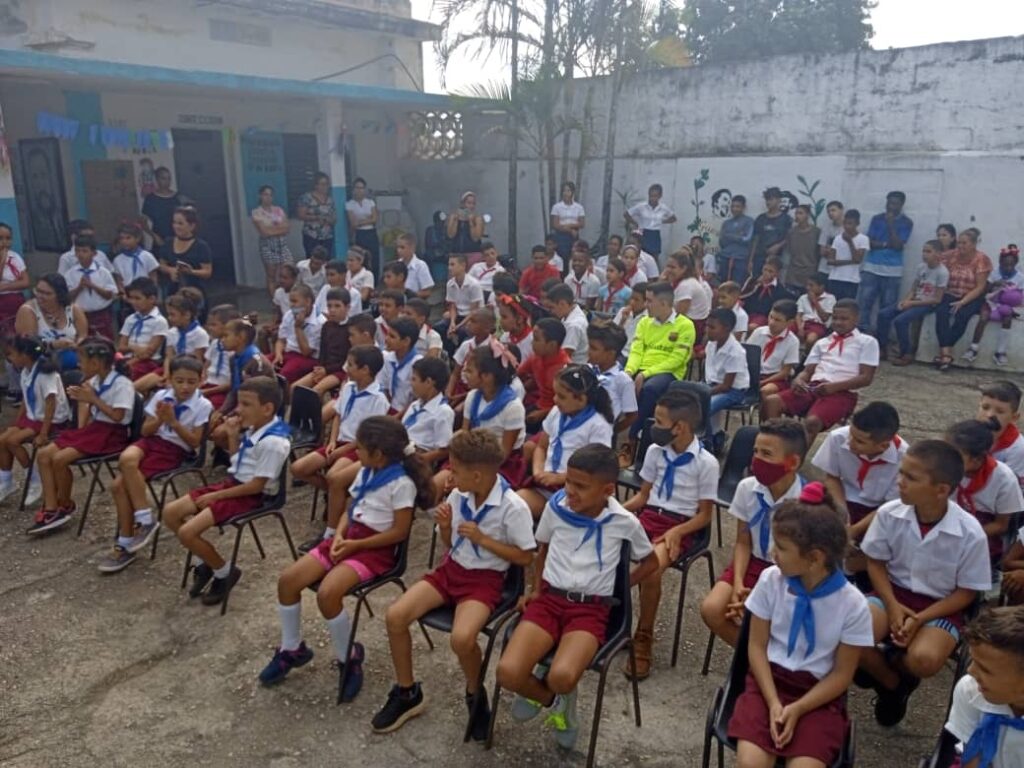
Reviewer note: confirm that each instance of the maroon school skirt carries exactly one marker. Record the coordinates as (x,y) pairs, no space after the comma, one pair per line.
(159,455)
(139,368)
(368,563)
(9,303)
(24,422)
(514,469)
(216,398)
(754,569)
(101,323)
(819,734)
(818,329)
(296,365)
(95,438)
(858,511)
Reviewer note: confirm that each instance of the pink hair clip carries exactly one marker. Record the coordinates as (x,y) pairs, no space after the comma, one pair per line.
(813,493)
(501,352)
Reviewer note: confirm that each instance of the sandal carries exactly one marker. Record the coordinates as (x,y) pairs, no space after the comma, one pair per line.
(945,362)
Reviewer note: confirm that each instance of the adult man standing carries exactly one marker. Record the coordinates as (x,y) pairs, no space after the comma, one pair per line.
(734,242)
(883,266)
(770,230)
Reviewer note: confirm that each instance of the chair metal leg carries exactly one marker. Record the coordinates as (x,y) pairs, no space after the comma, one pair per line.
(636,685)
(88,499)
(234,559)
(679,609)
(495,701)
(718,524)
(256,538)
(287,534)
(711,569)
(707,654)
(28,474)
(721,755)
(433,546)
(188,565)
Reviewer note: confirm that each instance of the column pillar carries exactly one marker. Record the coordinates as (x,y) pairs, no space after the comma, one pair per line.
(330,141)
(8,206)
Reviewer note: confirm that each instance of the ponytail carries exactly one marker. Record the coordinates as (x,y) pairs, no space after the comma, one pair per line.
(583,381)
(389,437)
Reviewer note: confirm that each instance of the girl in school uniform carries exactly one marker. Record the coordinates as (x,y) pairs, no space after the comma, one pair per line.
(582,415)
(217,367)
(44,411)
(133,261)
(393,481)
(807,626)
(358,277)
(105,404)
(184,336)
(297,351)
(615,293)
(516,325)
(14,279)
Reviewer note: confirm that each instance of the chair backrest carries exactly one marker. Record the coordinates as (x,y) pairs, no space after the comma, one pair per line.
(620,618)
(138,418)
(754,369)
(643,442)
(737,460)
(277,501)
(703,394)
(282,382)
(514,584)
(736,680)
(199,459)
(306,410)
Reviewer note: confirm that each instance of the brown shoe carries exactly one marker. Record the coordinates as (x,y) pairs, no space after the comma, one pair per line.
(643,640)
(903,360)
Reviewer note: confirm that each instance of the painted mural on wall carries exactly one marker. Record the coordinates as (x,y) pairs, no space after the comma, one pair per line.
(44,190)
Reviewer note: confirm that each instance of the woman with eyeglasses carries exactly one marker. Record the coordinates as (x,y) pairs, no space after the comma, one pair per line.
(52,317)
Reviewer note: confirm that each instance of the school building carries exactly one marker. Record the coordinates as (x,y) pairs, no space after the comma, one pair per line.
(228,94)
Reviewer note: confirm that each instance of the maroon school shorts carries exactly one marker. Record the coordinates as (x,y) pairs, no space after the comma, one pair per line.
(557,616)
(351,455)
(657,523)
(139,368)
(296,365)
(216,398)
(858,511)
(819,734)
(226,509)
(101,323)
(830,409)
(918,603)
(95,439)
(818,329)
(754,569)
(457,584)
(159,455)
(368,563)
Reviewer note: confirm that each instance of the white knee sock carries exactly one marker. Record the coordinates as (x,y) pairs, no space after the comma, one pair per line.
(144,516)
(123,541)
(1002,340)
(340,628)
(223,572)
(329,532)
(291,619)
(6,476)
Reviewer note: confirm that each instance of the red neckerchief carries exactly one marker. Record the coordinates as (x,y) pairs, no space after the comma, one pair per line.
(612,293)
(632,273)
(15,272)
(487,270)
(578,281)
(965,494)
(766,290)
(772,343)
(515,338)
(837,341)
(1008,438)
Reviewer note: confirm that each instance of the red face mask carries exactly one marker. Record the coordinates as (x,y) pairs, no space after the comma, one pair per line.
(767,473)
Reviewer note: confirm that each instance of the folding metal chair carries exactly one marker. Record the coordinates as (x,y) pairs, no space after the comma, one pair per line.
(698,550)
(629,478)
(734,469)
(195,465)
(944,753)
(68,379)
(752,397)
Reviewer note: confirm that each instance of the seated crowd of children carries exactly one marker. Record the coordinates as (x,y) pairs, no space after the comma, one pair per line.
(502,424)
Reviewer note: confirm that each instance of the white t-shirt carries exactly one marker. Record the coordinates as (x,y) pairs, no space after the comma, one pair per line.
(596,429)
(429,339)
(464,296)
(377,508)
(647,217)
(524,345)
(419,277)
(969,706)
(693,291)
(742,321)
(786,351)
(130,269)
(429,424)
(140,329)
(511,418)
(265,458)
(195,339)
(484,274)
(282,301)
(315,281)
(621,389)
(396,378)
(117,391)
(576,335)
(842,361)
(835,458)
(361,209)
(805,311)
(320,307)
(849,273)
(68,261)
(628,324)
(89,300)
(745,506)
(14,267)
(361,280)
(218,364)
(840,618)
(368,402)
(43,385)
(692,484)
(195,413)
(954,554)
(508,521)
(573,566)
(570,213)
(584,288)
(721,361)
(311,327)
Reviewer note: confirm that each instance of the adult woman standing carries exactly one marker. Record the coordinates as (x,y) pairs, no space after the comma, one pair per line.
(319,215)
(361,212)
(567,221)
(14,279)
(465,229)
(272,223)
(969,269)
(53,318)
(186,259)
(159,206)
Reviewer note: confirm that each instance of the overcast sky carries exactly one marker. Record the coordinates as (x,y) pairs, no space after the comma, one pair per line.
(897,23)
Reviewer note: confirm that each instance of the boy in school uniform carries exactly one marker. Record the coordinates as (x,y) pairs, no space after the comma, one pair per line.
(538,373)
(395,276)
(987,714)
(825,391)
(564,307)
(584,282)
(142,333)
(1000,407)
(217,368)
(484,271)
(779,450)
(68,260)
(725,371)
(928,560)
(335,342)
(297,351)
(358,277)
(184,336)
(728,296)
(429,343)
(780,347)
(429,419)
(480,331)
(463,295)
(814,311)
(761,293)
(336,272)
(132,261)
(92,288)
(311,271)
(258,455)
(604,346)
(540,271)
(389,306)
(846,256)
(629,317)
(569,601)
(396,375)
(418,280)
(674,503)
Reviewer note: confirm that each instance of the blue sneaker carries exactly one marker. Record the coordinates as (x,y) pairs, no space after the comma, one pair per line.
(350,675)
(283,663)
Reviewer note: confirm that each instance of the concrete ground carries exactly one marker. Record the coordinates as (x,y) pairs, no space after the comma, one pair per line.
(124,670)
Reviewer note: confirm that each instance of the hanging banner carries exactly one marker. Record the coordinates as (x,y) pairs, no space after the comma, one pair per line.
(60,127)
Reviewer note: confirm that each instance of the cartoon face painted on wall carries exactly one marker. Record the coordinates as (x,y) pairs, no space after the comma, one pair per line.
(721,200)
(789,202)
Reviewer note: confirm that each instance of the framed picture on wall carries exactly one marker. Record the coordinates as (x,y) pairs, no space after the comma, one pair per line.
(44,193)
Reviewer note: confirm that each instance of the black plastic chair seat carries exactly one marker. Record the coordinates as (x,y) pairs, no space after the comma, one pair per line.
(630,478)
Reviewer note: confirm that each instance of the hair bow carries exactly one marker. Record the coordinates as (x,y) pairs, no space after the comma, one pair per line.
(1010,250)
(501,352)
(813,493)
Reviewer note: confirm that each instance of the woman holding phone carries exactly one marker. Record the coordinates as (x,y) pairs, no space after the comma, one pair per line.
(186,259)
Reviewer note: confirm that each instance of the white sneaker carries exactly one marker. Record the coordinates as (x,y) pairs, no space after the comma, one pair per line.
(970,355)
(7,489)
(35,493)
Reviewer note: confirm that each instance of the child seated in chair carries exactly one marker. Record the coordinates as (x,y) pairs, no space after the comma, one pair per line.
(429,419)
(674,503)
(605,345)
(760,293)
(780,347)
(725,372)
(297,350)
(143,332)
(175,420)
(486,528)
(217,371)
(928,560)
(335,343)
(1000,407)
(538,373)
(808,626)
(393,481)
(184,336)
(258,454)
(396,375)
(568,603)
(987,715)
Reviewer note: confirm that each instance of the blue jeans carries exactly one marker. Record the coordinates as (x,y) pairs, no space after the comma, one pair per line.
(901,320)
(647,398)
(885,291)
(720,402)
(460,336)
(949,327)
(732,269)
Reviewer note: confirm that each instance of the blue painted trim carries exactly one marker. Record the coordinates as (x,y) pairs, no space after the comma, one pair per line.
(85,107)
(48,62)
(9,216)
(340,196)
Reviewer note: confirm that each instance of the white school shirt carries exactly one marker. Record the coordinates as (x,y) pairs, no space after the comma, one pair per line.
(360,280)
(362,210)
(45,384)
(694,483)
(786,352)
(574,567)
(419,277)
(264,459)
(745,505)
(568,213)
(556,262)
(628,324)
(433,424)
(315,280)
(373,404)
(721,361)
(467,348)
(835,458)
(429,339)
(320,306)
(849,273)
(1013,457)
(511,418)
(509,522)
(311,326)
(584,288)
(69,261)
(142,334)
(576,335)
(842,617)
(397,382)
(381,334)
(692,289)
(89,300)
(969,706)
(282,301)
(377,508)
(218,364)
(464,296)
(14,267)
(119,393)
(710,264)
(195,339)
(620,388)
(842,363)
(196,413)
(742,320)
(650,218)
(649,266)
(1001,495)
(805,311)
(126,268)
(484,274)
(524,345)
(596,429)
(954,554)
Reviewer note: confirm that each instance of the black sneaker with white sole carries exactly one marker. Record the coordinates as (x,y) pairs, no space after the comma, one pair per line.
(202,574)
(47,520)
(220,588)
(891,706)
(400,707)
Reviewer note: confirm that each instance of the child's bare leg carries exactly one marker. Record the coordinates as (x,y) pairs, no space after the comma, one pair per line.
(190,534)
(927,653)
(308,468)
(527,646)
(63,479)
(148,383)
(125,513)
(305,571)
(305,381)
(328,412)
(871,659)
(769,389)
(749,755)
(44,461)
(813,426)
(528,448)
(219,437)
(470,617)
(327,384)
(11,447)
(650,592)
(575,652)
(134,484)
(772,406)
(420,599)
(713,609)
(804,762)
(534,500)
